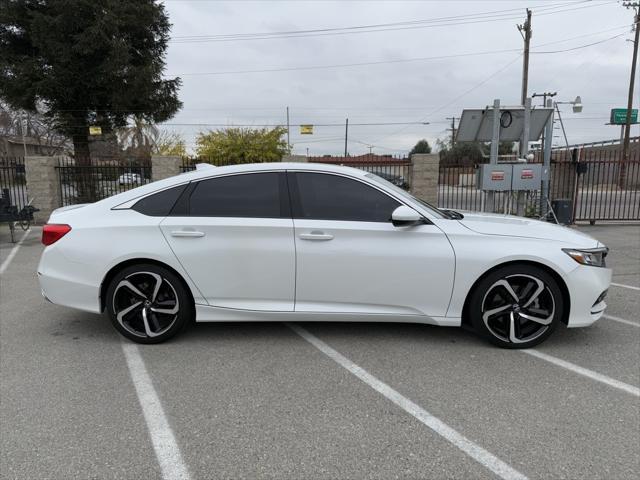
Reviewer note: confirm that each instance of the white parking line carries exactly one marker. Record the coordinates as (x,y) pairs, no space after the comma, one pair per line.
(476,452)
(162,438)
(630,287)
(13,252)
(621,320)
(598,377)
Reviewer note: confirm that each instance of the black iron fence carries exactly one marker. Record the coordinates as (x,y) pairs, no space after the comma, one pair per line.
(85,181)
(396,170)
(595,184)
(13,188)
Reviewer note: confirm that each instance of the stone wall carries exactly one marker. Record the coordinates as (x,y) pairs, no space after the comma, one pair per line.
(164,166)
(424,176)
(43,185)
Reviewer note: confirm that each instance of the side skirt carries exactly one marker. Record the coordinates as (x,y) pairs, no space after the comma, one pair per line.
(206,313)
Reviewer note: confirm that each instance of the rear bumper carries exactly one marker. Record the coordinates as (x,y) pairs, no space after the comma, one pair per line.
(67,283)
(586,286)
(70,294)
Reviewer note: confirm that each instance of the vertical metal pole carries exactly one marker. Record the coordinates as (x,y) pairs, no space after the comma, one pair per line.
(22,128)
(288,137)
(562,125)
(524,150)
(493,158)
(622,180)
(346,136)
(546,162)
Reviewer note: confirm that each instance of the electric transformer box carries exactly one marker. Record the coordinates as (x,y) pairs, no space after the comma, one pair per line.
(503,177)
(495,177)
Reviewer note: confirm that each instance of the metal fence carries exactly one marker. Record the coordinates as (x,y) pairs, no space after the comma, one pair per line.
(92,180)
(396,170)
(13,186)
(596,184)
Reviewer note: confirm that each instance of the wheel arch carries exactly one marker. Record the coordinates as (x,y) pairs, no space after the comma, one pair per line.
(104,286)
(466,321)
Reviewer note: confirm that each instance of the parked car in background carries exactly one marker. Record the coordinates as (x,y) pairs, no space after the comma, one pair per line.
(130,179)
(397,180)
(312,242)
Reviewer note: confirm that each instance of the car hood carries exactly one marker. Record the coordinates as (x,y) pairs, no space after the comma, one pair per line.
(508,225)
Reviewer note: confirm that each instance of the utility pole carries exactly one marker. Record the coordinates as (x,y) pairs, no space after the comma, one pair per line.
(622,180)
(525,62)
(453,129)
(346,136)
(288,136)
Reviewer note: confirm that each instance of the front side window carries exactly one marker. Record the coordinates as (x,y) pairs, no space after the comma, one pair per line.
(254,195)
(332,197)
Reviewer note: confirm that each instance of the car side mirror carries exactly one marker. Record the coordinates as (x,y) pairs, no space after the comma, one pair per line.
(404,216)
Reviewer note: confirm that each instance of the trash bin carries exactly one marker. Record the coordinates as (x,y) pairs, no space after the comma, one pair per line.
(563,208)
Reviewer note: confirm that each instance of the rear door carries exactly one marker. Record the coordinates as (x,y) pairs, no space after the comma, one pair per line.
(234,236)
(351,259)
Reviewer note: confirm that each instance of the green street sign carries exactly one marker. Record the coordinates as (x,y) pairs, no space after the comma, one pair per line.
(619,116)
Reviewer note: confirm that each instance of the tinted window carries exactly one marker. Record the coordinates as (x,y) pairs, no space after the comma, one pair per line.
(250,195)
(159,204)
(331,197)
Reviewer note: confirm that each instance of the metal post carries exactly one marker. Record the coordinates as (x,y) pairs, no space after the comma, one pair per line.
(524,150)
(495,141)
(622,180)
(564,132)
(288,137)
(546,163)
(346,136)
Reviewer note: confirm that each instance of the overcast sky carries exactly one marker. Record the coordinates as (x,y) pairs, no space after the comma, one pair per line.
(409,85)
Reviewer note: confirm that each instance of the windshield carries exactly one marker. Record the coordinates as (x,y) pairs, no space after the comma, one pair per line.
(406,195)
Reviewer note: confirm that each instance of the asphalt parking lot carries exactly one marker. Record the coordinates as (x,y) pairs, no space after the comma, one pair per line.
(268,400)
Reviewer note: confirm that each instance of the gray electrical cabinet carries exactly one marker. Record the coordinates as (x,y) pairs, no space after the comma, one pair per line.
(526,176)
(502,177)
(495,177)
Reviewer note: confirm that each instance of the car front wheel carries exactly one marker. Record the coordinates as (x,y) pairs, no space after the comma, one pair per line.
(517,306)
(148,303)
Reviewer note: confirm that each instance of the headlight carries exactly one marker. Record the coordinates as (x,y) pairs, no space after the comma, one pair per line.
(593,256)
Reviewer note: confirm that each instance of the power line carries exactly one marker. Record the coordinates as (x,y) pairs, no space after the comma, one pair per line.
(385,62)
(480,17)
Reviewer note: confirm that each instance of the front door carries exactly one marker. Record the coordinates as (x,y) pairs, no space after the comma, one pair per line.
(350,257)
(236,241)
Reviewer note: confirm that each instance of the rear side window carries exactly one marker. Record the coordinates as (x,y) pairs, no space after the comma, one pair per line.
(254,195)
(331,197)
(159,204)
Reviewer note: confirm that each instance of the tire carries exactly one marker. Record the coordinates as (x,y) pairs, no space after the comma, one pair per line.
(148,303)
(507,322)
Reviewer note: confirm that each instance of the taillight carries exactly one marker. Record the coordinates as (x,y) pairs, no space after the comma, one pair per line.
(52,232)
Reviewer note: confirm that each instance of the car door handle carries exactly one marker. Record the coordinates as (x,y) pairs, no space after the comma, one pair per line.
(187,233)
(317,236)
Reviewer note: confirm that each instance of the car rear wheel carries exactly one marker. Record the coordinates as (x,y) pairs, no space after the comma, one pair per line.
(148,303)
(517,306)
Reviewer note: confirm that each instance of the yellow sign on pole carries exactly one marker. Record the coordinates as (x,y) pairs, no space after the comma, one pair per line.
(306,129)
(95,130)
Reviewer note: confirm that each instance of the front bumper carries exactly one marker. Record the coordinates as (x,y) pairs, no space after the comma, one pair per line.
(586,287)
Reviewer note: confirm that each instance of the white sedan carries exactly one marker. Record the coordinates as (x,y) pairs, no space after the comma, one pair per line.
(307,242)
(130,179)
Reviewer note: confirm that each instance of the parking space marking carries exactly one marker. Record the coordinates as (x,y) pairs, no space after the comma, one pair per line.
(476,452)
(621,320)
(13,252)
(622,285)
(625,387)
(162,438)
